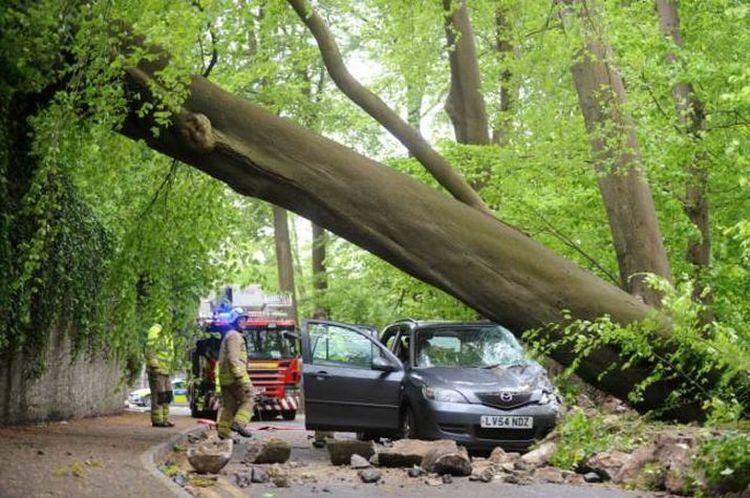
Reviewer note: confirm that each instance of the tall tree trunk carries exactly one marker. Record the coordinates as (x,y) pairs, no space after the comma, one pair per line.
(320,240)
(414,97)
(410,138)
(465,104)
(502,126)
(284,261)
(320,274)
(617,158)
(491,266)
(690,115)
(299,274)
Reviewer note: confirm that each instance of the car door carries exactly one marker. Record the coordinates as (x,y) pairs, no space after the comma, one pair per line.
(351,381)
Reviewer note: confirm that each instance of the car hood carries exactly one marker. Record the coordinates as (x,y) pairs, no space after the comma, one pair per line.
(517,378)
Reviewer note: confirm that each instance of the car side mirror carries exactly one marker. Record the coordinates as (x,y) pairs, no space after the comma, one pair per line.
(382,364)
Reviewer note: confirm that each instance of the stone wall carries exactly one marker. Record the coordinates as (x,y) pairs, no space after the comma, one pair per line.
(67,389)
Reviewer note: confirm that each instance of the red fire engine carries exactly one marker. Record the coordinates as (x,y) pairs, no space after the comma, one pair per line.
(274,364)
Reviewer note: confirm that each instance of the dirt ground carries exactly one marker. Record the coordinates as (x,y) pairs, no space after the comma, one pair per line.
(88,457)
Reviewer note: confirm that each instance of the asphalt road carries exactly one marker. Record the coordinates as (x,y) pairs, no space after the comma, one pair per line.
(319,477)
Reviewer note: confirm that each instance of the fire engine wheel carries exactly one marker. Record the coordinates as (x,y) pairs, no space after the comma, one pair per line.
(267,414)
(289,414)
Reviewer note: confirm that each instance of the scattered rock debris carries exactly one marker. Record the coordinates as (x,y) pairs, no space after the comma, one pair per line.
(243,480)
(209,457)
(445,460)
(416,471)
(359,462)
(273,450)
(341,450)
(369,475)
(410,452)
(259,475)
(592,477)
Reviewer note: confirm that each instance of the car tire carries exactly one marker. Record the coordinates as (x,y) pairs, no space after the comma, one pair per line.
(266,415)
(407,429)
(289,414)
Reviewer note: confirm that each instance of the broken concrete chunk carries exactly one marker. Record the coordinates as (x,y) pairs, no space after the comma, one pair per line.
(341,451)
(359,462)
(607,463)
(211,456)
(486,475)
(500,456)
(369,475)
(549,474)
(244,479)
(259,475)
(541,455)
(441,461)
(411,452)
(281,482)
(273,450)
(416,471)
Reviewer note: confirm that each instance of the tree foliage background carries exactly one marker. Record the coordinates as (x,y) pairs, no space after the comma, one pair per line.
(101,236)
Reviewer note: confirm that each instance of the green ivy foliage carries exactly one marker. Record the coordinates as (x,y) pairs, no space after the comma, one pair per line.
(726,463)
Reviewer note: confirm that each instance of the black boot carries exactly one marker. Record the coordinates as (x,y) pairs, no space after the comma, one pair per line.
(242,431)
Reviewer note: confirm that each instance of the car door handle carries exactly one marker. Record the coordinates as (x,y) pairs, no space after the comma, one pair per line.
(321,375)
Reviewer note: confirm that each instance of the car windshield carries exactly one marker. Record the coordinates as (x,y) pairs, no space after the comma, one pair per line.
(467,346)
(264,344)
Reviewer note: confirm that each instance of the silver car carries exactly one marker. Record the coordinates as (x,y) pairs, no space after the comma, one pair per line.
(466,381)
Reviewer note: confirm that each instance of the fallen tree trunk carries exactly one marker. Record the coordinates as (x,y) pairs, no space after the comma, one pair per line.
(489,265)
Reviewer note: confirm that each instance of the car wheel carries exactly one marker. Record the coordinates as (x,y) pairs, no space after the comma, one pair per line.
(289,414)
(407,429)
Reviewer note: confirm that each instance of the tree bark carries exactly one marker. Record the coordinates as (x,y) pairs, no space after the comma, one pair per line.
(415,143)
(482,261)
(414,97)
(465,103)
(623,186)
(691,117)
(284,261)
(320,240)
(502,127)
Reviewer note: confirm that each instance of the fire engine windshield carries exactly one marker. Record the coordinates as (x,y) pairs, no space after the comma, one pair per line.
(264,344)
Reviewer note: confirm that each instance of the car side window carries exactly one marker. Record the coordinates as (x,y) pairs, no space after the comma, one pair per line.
(389,338)
(336,345)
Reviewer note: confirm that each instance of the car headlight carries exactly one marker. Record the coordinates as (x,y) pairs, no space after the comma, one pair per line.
(444,395)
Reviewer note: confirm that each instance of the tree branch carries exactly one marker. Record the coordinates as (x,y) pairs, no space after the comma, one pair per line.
(414,142)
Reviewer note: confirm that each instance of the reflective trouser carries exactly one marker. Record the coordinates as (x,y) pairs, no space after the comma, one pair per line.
(161,396)
(236,406)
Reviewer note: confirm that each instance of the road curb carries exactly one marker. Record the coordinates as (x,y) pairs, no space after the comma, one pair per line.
(149,457)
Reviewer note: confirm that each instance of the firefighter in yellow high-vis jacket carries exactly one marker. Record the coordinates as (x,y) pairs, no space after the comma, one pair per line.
(159,359)
(236,388)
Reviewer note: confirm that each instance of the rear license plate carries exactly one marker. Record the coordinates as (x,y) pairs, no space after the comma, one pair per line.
(259,390)
(505,422)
